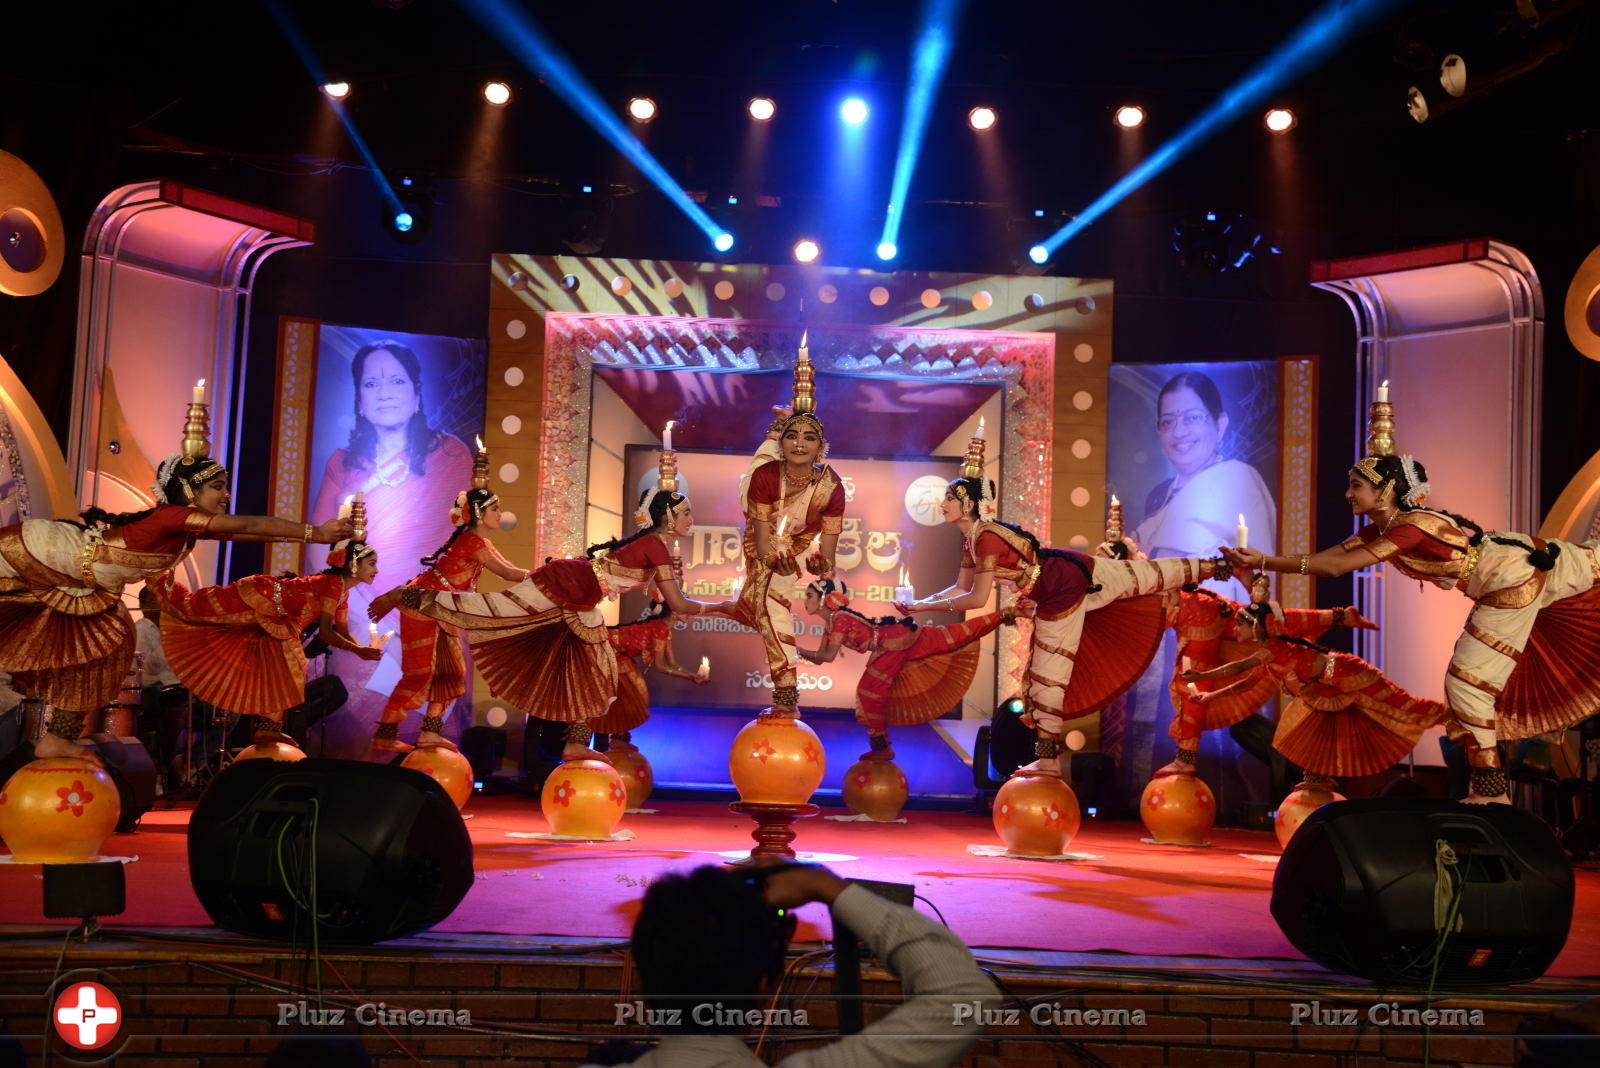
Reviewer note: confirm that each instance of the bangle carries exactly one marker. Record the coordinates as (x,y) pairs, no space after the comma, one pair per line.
(1338,617)
(309,531)
(1305,562)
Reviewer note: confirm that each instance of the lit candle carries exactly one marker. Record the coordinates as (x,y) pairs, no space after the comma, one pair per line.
(705,667)
(385,639)
(479,439)
(372,635)
(1244,534)
(981,432)
(805,348)
(344,509)
(666,436)
(783,525)
(903,592)
(1114,502)
(200,392)
(1194,691)
(1383,392)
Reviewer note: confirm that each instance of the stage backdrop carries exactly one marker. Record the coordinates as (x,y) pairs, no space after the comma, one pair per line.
(893,522)
(398,427)
(1193,446)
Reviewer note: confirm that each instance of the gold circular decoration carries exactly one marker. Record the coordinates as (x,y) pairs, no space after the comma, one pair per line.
(1583,306)
(32,242)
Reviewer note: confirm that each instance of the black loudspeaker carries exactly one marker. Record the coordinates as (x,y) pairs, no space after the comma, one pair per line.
(130,767)
(1354,891)
(389,850)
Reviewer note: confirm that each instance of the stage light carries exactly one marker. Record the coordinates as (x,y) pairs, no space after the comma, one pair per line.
(1129,116)
(887,251)
(404,221)
(642,109)
(1016,706)
(1316,38)
(854,111)
(336,90)
(722,242)
(1038,254)
(930,56)
(806,250)
(761,108)
(497,93)
(1280,120)
(1453,75)
(982,118)
(1416,104)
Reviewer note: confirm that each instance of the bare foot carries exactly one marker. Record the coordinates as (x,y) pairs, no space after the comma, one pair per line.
(390,745)
(268,737)
(436,740)
(1177,767)
(881,749)
(575,751)
(1497,799)
(51,746)
(1042,766)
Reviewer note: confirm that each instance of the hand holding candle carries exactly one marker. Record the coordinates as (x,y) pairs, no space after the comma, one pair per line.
(903,593)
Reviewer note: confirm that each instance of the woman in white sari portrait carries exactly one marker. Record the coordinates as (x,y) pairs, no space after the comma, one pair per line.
(1201,505)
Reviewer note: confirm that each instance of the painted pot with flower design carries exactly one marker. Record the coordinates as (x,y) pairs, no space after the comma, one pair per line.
(776,760)
(1178,810)
(876,789)
(1036,815)
(58,810)
(584,799)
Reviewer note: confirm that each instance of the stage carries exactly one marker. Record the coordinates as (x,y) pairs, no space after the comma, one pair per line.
(1182,935)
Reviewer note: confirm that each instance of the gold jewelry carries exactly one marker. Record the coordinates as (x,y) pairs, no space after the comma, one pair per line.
(1305,562)
(309,532)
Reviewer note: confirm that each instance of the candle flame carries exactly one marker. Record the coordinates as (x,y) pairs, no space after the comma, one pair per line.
(670,424)
(200,384)
(479,439)
(1385,383)
(1241,519)
(1114,502)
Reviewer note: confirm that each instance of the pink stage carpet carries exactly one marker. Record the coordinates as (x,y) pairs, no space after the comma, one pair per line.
(1133,898)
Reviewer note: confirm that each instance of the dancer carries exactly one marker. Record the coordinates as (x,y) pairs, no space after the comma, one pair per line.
(1524,664)
(542,644)
(647,640)
(791,499)
(1344,718)
(239,647)
(913,674)
(433,671)
(65,636)
(1212,630)
(1091,611)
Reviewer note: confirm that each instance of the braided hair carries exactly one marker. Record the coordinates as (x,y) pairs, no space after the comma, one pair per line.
(978,489)
(174,489)
(660,505)
(1408,474)
(472,510)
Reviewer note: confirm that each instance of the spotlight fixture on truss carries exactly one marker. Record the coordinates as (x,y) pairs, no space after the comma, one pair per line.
(1215,242)
(409,219)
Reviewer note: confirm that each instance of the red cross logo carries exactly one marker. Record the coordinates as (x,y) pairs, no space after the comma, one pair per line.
(87,1015)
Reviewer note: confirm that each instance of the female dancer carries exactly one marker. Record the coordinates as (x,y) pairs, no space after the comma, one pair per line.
(1345,716)
(1213,630)
(65,637)
(1524,664)
(790,499)
(542,644)
(1088,608)
(913,675)
(238,646)
(649,639)
(432,667)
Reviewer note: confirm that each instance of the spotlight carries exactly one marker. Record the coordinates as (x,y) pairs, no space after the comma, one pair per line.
(1417,104)
(887,251)
(642,108)
(1129,116)
(722,242)
(982,118)
(336,90)
(853,111)
(1280,120)
(1453,75)
(497,93)
(403,221)
(408,208)
(806,251)
(1038,254)
(761,108)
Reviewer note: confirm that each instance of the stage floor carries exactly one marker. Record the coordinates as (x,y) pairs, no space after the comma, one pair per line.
(1124,897)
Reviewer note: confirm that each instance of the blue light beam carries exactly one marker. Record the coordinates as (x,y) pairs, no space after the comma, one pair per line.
(1311,43)
(529,43)
(930,56)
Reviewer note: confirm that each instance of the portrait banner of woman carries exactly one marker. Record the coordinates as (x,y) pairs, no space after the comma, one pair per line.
(1193,452)
(394,416)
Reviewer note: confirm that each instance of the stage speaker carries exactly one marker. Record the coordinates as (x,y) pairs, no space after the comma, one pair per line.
(387,848)
(130,767)
(1355,892)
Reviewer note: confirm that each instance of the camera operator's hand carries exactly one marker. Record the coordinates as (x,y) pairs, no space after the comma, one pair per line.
(793,885)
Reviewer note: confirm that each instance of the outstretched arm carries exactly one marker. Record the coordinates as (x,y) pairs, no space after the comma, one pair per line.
(973,592)
(271,528)
(336,636)
(825,653)
(1329,563)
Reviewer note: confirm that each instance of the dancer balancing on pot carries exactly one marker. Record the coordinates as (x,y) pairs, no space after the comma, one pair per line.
(65,637)
(644,644)
(913,674)
(1213,630)
(792,502)
(238,647)
(1524,664)
(432,668)
(542,644)
(1096,625)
